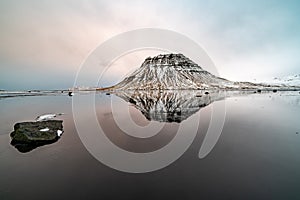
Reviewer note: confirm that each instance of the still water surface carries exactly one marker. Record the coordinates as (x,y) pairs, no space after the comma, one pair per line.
(256,156)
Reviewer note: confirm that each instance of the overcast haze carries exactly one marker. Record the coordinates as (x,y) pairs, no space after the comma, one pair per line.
(43,43)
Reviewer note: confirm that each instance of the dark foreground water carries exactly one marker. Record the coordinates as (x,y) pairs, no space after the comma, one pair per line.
(257,155)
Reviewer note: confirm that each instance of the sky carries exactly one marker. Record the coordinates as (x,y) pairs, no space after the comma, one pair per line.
(43,43)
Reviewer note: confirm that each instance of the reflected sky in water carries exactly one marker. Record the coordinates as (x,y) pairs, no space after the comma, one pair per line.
(256,156)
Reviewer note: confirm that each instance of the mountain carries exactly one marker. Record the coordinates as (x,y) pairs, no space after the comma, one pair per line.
(177,72)
(172,72)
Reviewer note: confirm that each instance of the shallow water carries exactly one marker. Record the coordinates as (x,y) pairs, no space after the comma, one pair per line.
(255,157)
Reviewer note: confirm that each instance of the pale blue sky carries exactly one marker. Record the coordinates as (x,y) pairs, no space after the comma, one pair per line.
(43,43)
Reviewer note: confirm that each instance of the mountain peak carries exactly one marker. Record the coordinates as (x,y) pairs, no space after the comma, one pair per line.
(174,60)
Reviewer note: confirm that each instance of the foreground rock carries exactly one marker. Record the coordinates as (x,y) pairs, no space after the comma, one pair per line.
(29,135)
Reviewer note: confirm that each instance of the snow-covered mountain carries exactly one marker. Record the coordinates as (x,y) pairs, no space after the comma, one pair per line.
(172,72)
(177,72)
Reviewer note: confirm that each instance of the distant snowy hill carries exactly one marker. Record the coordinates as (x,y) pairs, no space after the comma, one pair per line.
(293,80)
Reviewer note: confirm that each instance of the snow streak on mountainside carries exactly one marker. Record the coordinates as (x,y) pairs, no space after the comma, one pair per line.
(177,72)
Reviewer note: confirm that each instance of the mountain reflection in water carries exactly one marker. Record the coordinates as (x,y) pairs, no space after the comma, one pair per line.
(169,105)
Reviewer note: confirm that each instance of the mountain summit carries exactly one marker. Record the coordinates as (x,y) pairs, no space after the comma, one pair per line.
(172,72)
